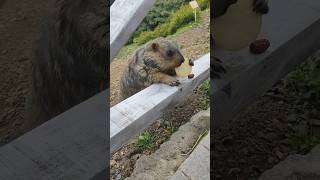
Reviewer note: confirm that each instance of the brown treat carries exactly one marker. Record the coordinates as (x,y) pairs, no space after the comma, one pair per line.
(191,62)
(190,76)
(259,46)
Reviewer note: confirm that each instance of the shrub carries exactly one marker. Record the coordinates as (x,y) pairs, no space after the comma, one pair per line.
(183,16)
(159,14)
(203,4)
(180,18)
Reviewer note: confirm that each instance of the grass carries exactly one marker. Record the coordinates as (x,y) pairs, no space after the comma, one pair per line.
(204,90)
(303,143)
(145,141)
(304,85)
(304,82)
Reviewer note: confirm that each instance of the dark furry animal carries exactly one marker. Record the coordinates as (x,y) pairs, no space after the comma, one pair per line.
(71,61)
(152,63)
(219,8)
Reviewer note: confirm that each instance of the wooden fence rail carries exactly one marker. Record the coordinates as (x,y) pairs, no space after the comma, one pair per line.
(125,16)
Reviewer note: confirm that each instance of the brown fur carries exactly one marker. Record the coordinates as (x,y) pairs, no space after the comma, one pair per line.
(152,63)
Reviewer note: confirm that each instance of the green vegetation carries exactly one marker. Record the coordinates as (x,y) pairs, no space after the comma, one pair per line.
(304,85)
(158,15)
(305,81)
(303,143)
(204,89)
(129,48)
(145,140)
(177,20)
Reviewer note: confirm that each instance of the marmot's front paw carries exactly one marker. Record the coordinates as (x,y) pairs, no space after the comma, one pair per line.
(171,81)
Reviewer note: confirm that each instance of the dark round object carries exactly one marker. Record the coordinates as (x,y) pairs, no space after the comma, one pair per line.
(259,46)
(190,76)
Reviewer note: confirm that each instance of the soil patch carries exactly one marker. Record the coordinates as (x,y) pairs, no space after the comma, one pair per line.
(19,27)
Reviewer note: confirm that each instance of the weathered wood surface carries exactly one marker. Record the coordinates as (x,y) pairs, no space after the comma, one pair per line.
(293,28)
(132,115)
(125,16)
(71,146)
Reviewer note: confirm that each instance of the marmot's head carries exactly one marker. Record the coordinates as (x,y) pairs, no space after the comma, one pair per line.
(163,54)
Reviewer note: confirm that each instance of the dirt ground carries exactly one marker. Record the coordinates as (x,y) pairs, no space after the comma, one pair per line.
(19,26)
(275,126)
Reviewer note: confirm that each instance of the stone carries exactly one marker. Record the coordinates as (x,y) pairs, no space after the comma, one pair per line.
(163,163)
(305,167)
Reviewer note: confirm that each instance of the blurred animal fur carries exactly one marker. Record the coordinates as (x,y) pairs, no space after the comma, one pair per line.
(71,61)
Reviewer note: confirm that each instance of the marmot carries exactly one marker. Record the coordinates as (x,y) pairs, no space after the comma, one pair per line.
(155,62)
(219,8)
(70,62)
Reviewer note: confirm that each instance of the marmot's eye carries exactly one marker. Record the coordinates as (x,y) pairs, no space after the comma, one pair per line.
(170,53)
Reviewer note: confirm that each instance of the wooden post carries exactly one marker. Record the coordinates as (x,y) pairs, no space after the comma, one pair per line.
(194,5)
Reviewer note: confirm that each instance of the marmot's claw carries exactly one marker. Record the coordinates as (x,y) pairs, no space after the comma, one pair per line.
(174,83)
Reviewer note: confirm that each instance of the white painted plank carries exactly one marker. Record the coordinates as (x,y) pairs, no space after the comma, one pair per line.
(125,16)
(294,35)
(143,108)
(72,145)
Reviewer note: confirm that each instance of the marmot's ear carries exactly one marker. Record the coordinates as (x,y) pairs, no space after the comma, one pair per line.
(154,46)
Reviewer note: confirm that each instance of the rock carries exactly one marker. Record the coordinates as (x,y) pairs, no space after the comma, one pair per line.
(296,167)
(118,177)
(137,156)
(112,162)
(162,163)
